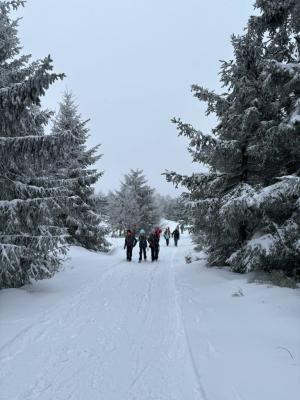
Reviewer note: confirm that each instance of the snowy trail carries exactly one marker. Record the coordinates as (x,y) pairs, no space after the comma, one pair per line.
(119,337)
(112,330)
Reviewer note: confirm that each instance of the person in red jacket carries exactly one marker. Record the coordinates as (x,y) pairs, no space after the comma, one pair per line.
(153,241)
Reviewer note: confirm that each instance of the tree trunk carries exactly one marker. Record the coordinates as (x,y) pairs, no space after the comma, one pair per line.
(244,178)
(244,165)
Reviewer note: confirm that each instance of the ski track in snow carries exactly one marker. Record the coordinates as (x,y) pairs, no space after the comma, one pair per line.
(181,324)
(149,331)
(119,337)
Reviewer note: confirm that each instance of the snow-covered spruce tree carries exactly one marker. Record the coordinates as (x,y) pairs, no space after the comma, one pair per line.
(170,208)
(276,244)
(179,211)
(219,214)
(31,244)
(114,216)
(82,220)
(236,207)
(101,204)
(134,206)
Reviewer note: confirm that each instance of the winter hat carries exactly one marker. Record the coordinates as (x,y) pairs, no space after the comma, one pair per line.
(142,231)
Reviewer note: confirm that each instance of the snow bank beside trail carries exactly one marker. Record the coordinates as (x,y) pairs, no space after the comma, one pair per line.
(245,338)
(105,328)
(20,307)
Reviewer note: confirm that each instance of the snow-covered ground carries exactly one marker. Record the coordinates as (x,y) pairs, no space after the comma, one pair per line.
(105,329)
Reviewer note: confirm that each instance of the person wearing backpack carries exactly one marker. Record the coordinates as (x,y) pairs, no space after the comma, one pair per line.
(176,236)
(167,235)
(130,242)
(153,241)
(143,244)
(182,228)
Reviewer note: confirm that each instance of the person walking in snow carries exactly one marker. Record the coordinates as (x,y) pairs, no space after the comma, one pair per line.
(167,235)
(158,232)
(153,241)
(182,228)
(143,244)
(176,235)
(130,242)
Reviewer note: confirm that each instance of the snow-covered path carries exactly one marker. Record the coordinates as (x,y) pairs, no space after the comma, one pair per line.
(112,330)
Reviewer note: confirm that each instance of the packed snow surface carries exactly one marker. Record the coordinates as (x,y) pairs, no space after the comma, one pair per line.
(106,329)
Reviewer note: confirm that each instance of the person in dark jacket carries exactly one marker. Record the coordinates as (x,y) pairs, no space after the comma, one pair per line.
(167,235)
(130,242)
(153,241)
(176,235)
(143,244)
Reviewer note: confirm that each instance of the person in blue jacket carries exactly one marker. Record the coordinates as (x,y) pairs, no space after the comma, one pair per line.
(167,235)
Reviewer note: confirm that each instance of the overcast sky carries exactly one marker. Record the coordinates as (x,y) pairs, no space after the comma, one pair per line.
(130,64)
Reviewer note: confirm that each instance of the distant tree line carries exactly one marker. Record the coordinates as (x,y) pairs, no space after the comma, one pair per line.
(173,208)
(133,206)
(137,206)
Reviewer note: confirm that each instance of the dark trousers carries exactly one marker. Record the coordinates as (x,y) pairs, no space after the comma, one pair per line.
(176,241)
(143,252)
(154,253)
(129,253)
(167,241)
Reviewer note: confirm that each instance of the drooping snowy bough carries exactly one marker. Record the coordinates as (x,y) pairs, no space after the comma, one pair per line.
(246,210)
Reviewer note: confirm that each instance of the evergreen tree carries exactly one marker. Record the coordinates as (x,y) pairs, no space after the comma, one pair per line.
(173,209)
(101,202)
(114,214)
(82,221)
(236,211)
(230,152)
(134,206)
(31,244)
(275,244)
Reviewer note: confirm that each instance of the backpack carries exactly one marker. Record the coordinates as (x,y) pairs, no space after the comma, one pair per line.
(130,241)
(143,241)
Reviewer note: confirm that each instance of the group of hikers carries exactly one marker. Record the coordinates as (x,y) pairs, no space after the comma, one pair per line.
(151,241)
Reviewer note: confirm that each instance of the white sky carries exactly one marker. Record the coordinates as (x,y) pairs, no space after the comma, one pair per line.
(130,64)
